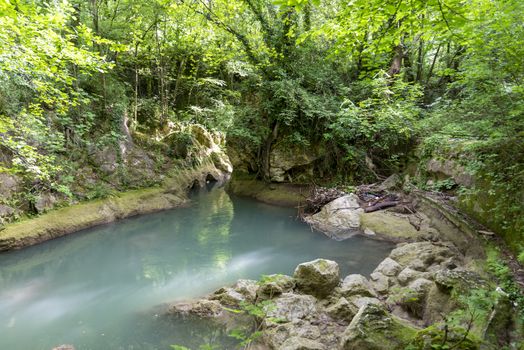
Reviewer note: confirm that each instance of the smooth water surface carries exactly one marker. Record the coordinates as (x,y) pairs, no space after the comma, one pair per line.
(103,288)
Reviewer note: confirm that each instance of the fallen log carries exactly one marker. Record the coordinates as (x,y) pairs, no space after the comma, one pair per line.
(381,205)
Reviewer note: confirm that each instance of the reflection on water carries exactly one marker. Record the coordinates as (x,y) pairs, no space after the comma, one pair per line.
(100,289)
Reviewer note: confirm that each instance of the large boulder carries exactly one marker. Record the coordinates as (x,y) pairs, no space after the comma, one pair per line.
(390,226)
(421,255)
(339,219)
(373,328)
(318,277)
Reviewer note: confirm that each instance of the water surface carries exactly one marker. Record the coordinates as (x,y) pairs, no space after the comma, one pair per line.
(101,288)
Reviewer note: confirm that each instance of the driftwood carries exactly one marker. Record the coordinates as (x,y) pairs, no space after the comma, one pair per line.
(381,205)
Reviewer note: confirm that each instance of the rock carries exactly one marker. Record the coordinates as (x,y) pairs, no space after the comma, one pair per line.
(274,285)
(450,168)
(276,334)
(318,277)
(373,328)
(339,219)
(298,343)
(228,296)
(359,301)
(390,183)
(64,347)
(408,274)
(106,159)
(248,288)
(388,267)
(379,282)
(428,254)
(390,226)
(44,202)
(202,308)
(5,212)
(342,310)
(461,280)
(9,185)
(356,285)
(292,307)
(284,158)
(413,298)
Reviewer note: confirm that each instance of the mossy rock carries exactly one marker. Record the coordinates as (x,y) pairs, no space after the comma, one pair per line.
(435,337)
(285,195)
(373,328)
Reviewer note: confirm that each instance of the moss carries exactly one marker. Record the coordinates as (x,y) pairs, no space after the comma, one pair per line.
(390,226)
(434,337)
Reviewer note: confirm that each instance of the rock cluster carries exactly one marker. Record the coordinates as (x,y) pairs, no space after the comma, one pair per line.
(314,309)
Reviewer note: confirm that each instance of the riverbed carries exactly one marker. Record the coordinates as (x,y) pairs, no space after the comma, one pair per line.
(104,288)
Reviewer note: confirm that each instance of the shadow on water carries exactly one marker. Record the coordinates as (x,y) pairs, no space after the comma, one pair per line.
(100,288)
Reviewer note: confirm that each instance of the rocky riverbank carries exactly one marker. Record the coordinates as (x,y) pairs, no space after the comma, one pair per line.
(210,164)
(432,292)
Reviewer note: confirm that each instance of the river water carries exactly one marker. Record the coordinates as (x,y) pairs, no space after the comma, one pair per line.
(104,288)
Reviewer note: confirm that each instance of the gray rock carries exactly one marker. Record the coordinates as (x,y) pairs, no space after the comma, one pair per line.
(408,274)
(451,169)
(6,211)
(228,296)
(45,202)
(248,288)
(339,219)
(201,308)
(359,301)
(292,307)
(356,285)
(9,185)
(299,343)
(390,183)
(388,267)
(318,277)
(379,282)
(428,253)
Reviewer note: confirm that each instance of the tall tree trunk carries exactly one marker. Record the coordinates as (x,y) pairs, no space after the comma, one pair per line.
(265,155)
(396,63)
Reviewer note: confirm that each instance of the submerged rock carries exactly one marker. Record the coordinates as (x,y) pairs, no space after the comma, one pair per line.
(318,277)
(339,219)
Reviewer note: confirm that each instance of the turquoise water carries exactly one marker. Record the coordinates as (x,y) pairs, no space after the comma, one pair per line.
(104,288)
